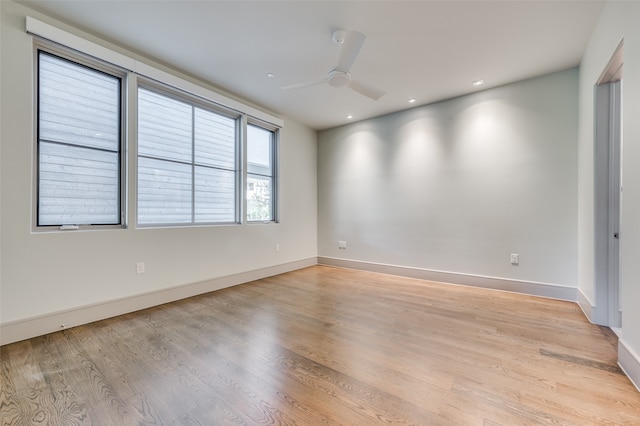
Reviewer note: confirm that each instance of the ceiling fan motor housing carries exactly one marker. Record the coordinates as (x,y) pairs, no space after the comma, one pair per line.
(338,36)
(339,78)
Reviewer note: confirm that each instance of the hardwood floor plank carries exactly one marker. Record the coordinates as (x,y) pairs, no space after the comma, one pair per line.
(326,346)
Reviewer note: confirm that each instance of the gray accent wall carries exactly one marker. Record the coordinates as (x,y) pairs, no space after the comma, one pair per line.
(459,185)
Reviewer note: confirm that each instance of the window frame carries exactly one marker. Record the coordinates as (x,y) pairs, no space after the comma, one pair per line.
(275,167)
(207,105)
(97,65)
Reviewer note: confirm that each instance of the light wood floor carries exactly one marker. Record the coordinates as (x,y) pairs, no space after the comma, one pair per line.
(326,346)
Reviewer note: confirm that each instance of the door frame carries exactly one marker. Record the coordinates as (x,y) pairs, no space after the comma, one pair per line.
(607,191)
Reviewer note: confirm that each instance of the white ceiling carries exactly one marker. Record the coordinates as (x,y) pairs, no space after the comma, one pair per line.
(428,50)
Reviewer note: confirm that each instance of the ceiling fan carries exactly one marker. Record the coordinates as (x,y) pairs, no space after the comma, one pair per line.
(340,75)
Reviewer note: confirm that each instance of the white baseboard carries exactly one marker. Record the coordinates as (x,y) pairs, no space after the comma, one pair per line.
(14,331)
(629,361)
(588,309)
(552,291)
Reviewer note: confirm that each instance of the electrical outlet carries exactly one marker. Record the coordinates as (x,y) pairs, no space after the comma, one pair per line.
(515,259)
(342,245)
(140,268)
(277,247)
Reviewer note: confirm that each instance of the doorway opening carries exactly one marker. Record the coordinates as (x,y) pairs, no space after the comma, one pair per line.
(608,191)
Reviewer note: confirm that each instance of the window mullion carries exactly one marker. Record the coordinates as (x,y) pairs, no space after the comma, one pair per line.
(44,140)
(193,165)
(242,184)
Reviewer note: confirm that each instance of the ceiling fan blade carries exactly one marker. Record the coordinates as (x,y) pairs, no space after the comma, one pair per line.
(366,90)
(351,45)
(303,85)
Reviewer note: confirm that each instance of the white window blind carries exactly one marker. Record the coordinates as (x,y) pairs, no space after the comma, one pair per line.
(79,143)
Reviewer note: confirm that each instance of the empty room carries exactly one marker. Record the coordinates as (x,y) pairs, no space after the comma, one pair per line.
(319,212)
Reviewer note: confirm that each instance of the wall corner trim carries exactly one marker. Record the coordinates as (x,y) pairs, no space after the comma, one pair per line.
(629,361)
(588,309)
(552,291)
(22,329)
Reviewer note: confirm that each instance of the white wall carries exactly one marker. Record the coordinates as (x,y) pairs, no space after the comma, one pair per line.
(459,185)
(44,273)
(618,20)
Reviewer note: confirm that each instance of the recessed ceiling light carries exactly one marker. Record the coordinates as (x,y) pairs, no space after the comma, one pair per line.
(477,83)
(270,75)
(412,100)
(349,116)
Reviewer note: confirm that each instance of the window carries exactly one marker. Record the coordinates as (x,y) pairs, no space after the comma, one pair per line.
(261,153)
(79,142)
(201,157)
(187,161)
